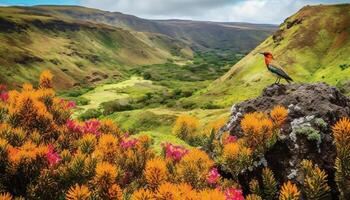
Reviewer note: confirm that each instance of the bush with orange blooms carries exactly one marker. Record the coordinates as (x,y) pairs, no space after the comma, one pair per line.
(45,154)
(186,127)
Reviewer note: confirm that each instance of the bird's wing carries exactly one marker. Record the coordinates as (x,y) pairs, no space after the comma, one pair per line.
(279,71)
(276,64)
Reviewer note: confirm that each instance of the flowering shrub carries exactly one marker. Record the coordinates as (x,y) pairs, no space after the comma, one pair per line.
(186,127)
(174,152)
(155,172)
(236,157)
(257,128)
(193,168)
(289,192)
(279,115)
(45,154)
(341,132)
(233,194)
(213,176)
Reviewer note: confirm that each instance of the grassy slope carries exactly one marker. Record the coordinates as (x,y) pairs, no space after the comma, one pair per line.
(77,52)
(310,51)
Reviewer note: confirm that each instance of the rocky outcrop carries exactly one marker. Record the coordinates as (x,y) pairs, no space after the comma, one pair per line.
(313,109)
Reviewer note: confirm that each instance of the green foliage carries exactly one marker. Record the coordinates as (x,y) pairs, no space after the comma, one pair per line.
(344,66)
(254,187)
(269,184)
(314,136)
(115,106)
(76,92)
(320,123)
(90,114)
(210,105)
(342,177)
(315,182)
(311,133)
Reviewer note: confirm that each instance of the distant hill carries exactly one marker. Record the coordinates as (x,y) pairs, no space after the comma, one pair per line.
(312,45)
(77,51)
(197,34)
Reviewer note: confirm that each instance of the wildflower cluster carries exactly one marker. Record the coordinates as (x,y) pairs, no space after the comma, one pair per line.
(174,152)
(186,127)
(45,154)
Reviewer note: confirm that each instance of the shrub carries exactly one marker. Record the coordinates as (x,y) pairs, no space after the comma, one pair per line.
(193,168)
(315,181)
(78,193)
(155,172)
(289,192)
(257,128)
(311,133)
(253,197)
(279,115)
(341,133)
(115,106)
(142,194)
(186,127)
(254,187)
(90,114)
(236,158)
(269,184)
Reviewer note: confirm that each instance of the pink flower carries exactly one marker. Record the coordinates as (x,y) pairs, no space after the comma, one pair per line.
(4,96)
(52,156)
(234,194)
(128,143)
(71,105)
(213,176)
(230,139)
(174,152)
(92,127)
(73,126)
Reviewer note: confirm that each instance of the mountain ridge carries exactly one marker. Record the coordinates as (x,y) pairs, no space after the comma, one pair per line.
(311,45)
(204,35)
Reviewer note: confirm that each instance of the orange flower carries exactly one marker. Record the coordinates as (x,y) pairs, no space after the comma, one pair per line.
(185,127)
(167,191)
(45,79)
(78,193)
(279,115)
(341,132)
(115,192)
(107,148)
(194,167)
(105,173)
(142,194)
(289,192)
(211,195)
(5,196)
(257,128)
(155,172)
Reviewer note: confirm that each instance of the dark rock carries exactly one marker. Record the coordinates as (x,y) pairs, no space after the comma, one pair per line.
(314,106)
(293,23)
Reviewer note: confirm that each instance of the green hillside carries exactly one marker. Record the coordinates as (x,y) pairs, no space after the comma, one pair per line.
(78,52)
(313,45)
(199,35)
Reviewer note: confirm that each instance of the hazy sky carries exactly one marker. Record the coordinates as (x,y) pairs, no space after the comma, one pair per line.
(256,11)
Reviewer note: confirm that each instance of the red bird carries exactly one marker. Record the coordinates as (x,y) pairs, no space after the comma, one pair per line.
(274,68)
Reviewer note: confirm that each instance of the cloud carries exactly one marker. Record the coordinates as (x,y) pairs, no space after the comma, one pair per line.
(256,11)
